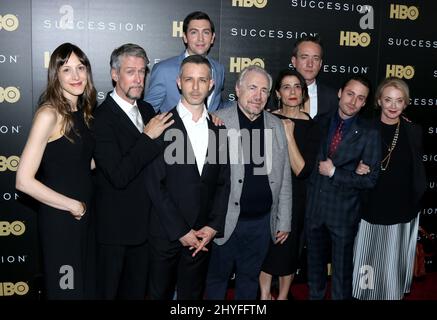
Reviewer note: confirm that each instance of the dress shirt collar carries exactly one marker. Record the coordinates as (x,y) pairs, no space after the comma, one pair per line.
(312,89)
(185,114)
(123,104)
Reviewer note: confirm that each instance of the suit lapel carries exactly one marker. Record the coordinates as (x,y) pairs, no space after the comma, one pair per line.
(124,119)
(232,120)
(213,148)
(145,114)
(350,138)
(188,147)
(353,133)
(324,123)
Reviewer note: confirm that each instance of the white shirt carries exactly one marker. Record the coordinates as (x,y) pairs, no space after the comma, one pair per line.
(208,101)
(130,109)
(197,132)
(312,92)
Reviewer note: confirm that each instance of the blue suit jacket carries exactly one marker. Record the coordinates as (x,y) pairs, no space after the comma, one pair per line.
(163,93)
(336,200)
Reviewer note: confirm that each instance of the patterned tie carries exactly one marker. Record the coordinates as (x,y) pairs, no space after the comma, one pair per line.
(138,120)
(336,139)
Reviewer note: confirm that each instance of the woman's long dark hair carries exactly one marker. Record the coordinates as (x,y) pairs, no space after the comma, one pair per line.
(53,97)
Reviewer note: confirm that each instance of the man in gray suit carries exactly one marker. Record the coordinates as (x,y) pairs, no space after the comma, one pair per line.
(259,204)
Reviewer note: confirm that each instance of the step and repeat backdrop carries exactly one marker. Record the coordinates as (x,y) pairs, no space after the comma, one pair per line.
(374,38)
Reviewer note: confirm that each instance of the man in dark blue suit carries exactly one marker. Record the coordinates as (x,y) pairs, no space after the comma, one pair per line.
(334,189)
(198,35)
(307,58)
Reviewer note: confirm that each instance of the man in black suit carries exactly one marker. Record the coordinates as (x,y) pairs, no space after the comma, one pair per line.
(333,197)
(125,128)
(189,187)
(307,58)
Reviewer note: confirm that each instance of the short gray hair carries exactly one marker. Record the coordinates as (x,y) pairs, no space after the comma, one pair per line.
(128,49)
(254,68)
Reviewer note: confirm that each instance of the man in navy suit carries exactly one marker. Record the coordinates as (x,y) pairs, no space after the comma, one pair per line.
(198,35)
(189,187)
(307,58)
(124,128)
(333,197)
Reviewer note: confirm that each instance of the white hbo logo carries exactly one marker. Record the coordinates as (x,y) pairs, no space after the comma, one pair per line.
(9,22)
(9,94)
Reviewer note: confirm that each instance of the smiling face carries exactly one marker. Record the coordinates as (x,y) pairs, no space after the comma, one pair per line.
(392,103)
(252,94)
(352,99)
(130,78)
(199,37)
(72,77)
(290,92)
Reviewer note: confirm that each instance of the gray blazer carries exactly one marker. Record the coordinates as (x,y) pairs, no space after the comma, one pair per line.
(279,174)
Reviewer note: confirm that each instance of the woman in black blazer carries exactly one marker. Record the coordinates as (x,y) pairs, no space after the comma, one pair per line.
(386,241)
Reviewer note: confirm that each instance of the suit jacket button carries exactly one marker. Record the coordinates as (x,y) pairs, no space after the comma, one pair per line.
(236,203)
(240,180)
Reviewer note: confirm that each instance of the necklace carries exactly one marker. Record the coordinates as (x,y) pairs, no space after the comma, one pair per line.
(386,160)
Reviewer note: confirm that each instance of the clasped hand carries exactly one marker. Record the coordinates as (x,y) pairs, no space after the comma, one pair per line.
(198,239)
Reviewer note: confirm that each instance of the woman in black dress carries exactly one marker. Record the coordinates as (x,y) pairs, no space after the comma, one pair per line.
(385,245)
(55,169)
(303,141)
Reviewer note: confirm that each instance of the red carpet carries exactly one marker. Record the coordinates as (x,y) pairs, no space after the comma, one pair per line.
(424,288)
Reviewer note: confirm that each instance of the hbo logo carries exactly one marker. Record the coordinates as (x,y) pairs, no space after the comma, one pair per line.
(9,22)
(10,163)
(16,228)
(236,64)
(353,39)
(249,3)
(9,94)
(399,71)
(9,288)
(402,12)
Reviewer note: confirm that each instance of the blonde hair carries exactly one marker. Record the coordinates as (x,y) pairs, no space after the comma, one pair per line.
(394,82)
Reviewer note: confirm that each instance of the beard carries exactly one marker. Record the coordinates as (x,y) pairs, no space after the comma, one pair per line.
(133,96)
